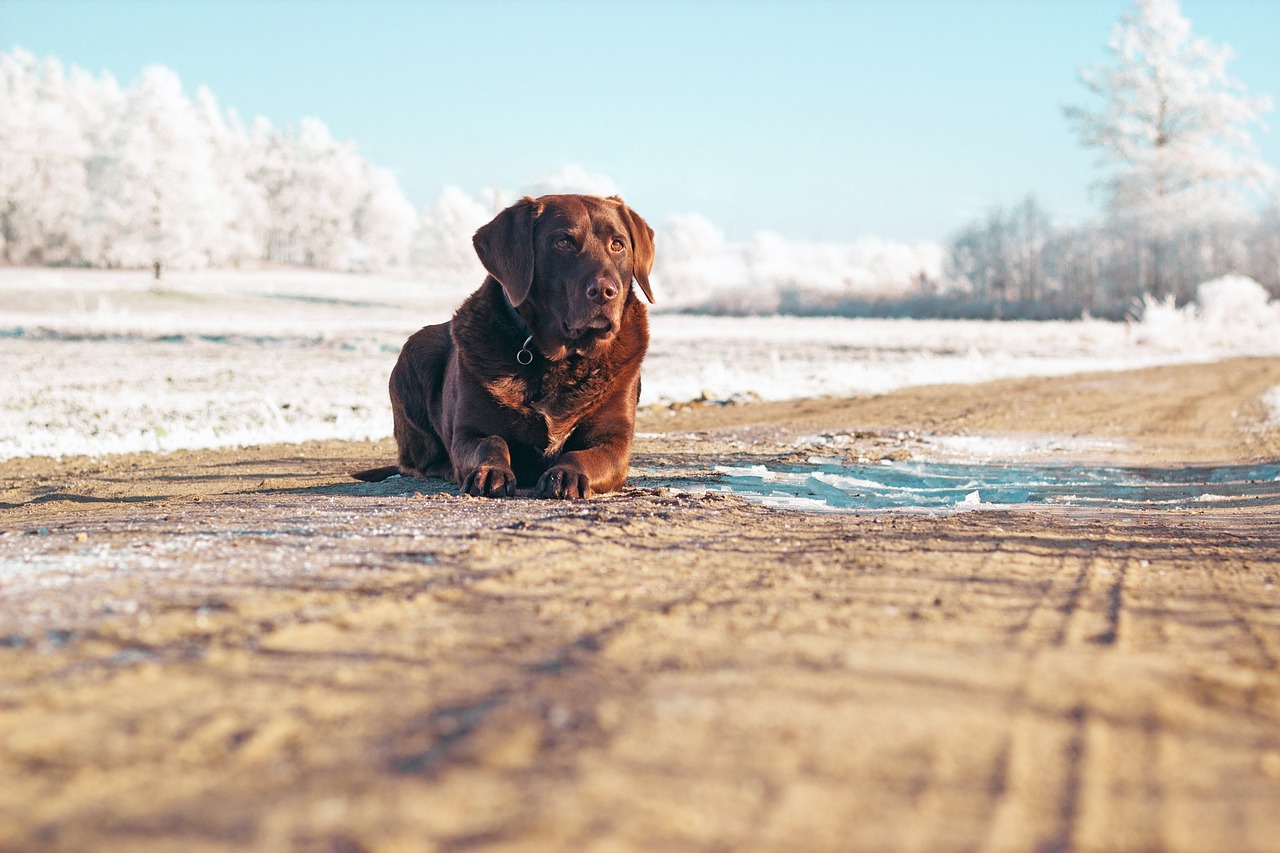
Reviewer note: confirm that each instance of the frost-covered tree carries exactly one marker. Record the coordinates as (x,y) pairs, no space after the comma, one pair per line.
(878,265)
(50,121)
(689,237)
(442,239)
(147,177)
(1173,126)
(383,221)
(230,155)
(326,206)
(155,196)
(692,259)
(1263,248)
(314,186)
(697,266)
(1000,258)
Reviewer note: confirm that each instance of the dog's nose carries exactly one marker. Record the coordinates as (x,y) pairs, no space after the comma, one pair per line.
(602,290)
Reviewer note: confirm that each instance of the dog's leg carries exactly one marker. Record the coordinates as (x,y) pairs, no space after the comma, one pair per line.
(598,454)
(582,473)
(415,386)
(482,465)
(420,451)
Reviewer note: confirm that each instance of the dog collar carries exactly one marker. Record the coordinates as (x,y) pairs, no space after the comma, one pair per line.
(525,355)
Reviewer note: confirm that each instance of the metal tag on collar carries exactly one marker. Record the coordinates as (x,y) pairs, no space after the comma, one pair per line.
(525,356)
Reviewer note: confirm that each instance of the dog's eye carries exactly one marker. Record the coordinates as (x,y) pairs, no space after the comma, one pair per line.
(564,243)
(617,245)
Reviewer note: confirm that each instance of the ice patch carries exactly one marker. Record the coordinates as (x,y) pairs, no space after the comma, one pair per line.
(952,487)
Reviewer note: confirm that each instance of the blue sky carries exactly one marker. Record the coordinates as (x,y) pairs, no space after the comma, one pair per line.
(816,120)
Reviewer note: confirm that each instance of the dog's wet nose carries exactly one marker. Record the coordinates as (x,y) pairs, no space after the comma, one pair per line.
(602,290)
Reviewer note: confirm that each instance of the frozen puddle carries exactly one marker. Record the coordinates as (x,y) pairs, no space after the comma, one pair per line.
(829,485)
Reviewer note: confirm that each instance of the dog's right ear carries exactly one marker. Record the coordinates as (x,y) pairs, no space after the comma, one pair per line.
(505,247)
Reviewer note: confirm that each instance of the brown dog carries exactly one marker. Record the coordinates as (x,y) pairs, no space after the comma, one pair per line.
(534,381)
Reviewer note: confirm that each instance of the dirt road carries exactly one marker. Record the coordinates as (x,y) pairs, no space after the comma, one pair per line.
(240,650)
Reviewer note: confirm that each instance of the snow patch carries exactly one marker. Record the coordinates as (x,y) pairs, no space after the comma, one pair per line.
(96,362)
(1271,402)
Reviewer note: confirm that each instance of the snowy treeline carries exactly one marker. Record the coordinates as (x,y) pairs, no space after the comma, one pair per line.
(697,268)
(100,175)
(1172,129)
(1019,261)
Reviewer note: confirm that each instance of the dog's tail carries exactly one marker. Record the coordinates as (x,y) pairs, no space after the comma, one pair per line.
(377,475)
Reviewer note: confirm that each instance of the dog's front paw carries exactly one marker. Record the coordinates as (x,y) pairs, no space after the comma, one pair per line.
(563,481)
(490,481)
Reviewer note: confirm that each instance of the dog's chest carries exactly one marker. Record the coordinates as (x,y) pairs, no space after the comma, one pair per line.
(554,415)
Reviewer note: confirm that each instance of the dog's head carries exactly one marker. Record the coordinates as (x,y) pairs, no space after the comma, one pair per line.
(567,262)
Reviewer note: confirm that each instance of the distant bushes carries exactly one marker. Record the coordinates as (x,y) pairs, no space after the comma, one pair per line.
(1014,264)
(949,305)
(699,270)
(1016,260)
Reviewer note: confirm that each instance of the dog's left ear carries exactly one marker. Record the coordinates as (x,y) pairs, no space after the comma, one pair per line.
(642,246)
(505,247)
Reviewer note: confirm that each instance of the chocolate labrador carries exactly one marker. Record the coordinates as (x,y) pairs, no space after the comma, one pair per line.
(533,384)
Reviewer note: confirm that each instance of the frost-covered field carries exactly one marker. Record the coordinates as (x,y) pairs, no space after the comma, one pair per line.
(96,362)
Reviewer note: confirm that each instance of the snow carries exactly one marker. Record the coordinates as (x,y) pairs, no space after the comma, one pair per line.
(96,362)
(1271,400)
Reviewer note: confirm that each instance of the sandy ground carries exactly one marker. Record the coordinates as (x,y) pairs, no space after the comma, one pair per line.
(243,650)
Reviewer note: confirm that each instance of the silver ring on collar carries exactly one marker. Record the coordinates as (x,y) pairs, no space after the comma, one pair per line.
(525,356)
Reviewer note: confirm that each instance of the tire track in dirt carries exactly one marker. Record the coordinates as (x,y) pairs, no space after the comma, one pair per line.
(1247,624)
(1044,747)
(1120,800)
(1104,790)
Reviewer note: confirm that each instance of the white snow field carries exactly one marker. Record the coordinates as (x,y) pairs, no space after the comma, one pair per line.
(96,362)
